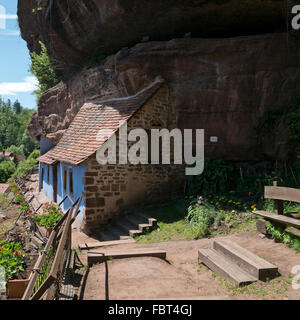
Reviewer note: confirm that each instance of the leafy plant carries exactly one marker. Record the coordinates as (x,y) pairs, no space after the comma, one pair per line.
(25,167)
(213,179)
(269,118)
(201,216)
(34,155)
(7,168)
(48,218)
(11,258)
(42,68)
(18,196)
(278,233)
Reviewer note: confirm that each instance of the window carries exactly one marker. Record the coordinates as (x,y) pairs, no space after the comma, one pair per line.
(71,182)
(65,179)
(42,178)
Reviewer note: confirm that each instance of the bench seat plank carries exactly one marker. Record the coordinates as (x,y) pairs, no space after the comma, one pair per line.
(282,193)
(279,218)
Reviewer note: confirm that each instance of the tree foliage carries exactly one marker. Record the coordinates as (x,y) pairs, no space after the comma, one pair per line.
(7,168)
(42,68)
(14,136)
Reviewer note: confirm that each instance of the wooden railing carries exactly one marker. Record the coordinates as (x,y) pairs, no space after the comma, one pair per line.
(47,276)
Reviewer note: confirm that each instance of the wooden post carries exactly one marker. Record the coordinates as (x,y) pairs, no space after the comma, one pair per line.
(278,204)
(261,227)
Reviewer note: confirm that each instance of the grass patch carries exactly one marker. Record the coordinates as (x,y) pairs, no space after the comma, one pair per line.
(271,289)
(173,224)
(4,202)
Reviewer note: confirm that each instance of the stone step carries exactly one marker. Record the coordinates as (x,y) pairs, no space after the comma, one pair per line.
(224,267)
(144,226)
(135,233)
(127,227)
(146,218)
(153,222)
(125,238)
(246,260)
(142,221)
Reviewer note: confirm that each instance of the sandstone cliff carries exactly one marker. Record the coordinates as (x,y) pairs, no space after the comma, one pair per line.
(74,31)
(222,84)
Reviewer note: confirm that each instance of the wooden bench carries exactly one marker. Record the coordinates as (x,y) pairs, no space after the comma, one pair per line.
(279,195)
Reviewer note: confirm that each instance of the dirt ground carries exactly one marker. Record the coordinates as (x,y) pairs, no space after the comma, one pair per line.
(180,277)
(11,214)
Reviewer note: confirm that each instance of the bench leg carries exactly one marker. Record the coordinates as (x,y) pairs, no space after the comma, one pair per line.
(278,204)
(261,227)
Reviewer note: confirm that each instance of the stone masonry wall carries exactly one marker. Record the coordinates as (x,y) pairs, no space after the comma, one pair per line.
(115,189)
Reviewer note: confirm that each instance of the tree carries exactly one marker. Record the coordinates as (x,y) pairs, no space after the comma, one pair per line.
(7,168)
(29,144)
(16,151)
(42,68)
(17,107)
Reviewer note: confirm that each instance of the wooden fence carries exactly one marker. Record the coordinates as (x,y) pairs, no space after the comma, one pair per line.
(45,284)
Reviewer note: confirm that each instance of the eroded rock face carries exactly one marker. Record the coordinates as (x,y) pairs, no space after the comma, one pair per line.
(74,31)
(220,85)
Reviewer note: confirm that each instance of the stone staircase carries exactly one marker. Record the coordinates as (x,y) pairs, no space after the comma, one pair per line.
(129,226)
(236,264)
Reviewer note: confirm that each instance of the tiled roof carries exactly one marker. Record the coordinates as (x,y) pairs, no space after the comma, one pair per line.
(3,187)
(7,155)
(79,142)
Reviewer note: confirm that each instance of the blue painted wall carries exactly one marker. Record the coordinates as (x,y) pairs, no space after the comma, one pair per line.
(45,145)
(78,176)
(47,187)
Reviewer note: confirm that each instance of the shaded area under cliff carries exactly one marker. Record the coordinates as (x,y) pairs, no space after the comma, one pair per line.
(75,31)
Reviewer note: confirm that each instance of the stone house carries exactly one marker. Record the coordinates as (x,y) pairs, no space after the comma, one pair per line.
(71,166)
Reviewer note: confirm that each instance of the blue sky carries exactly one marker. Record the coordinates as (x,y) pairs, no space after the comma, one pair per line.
(16,82)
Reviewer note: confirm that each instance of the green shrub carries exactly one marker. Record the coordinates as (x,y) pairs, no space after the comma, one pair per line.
(42,68)
(11,258)
(16,150)
(7,168)
(34,155)
(25,167)
(201,216)
(279,235)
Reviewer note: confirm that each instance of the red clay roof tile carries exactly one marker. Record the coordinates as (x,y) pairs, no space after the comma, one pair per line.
(79,142)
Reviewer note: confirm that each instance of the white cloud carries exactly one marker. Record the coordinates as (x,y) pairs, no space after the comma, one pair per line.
(13,88)
(8,16)
(10,33)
